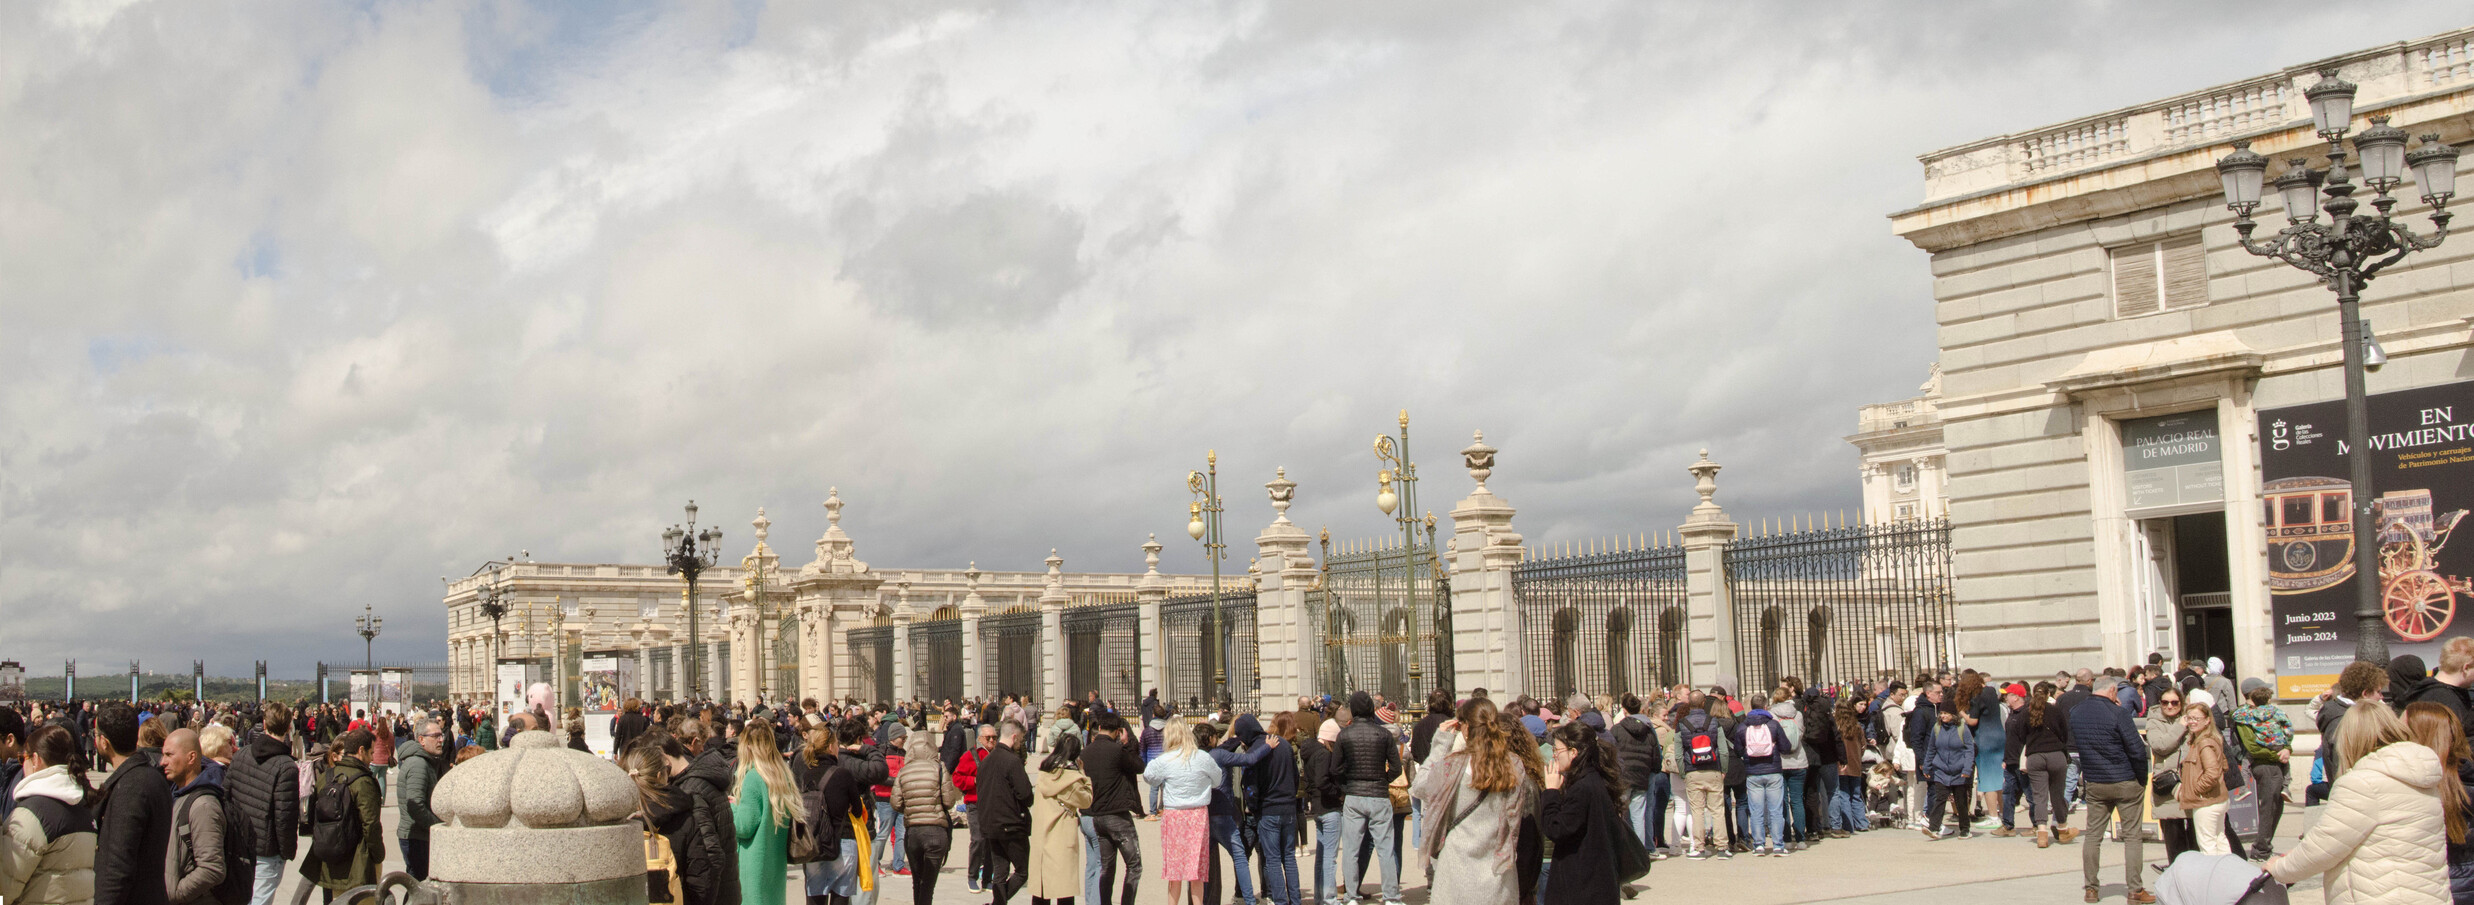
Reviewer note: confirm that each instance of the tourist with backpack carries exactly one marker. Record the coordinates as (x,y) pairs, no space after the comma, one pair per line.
(1703,748)
(1948,762)
(1764,743)
(209,859)
(133,815)
(346,844)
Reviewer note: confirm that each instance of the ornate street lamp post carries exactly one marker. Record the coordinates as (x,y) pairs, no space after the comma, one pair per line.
(1395,454)
(493,597)
(690,553)
(1204,525)
(369,625)
(2344,253)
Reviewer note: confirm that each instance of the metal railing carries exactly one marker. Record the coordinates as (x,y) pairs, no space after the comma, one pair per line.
(1844,603)
(936,657)
(1605,622)
(1378,622)
(871,657)
(1185,624)
(1010,649)
(1103,651)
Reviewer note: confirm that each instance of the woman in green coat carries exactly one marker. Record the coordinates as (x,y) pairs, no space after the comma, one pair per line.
(763,807)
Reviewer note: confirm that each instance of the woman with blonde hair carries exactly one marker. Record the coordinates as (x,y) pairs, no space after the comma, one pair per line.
(764,803)
(1474,799)
(2384,834)
(2436,727)
(1185,775)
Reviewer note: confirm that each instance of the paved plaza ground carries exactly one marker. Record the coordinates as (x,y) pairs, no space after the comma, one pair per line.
(1883,867)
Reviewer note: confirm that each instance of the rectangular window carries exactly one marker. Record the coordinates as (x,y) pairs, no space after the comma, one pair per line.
(2159,276)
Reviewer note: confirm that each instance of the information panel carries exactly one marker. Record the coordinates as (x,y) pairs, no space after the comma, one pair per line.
(2172,461)
(2422,461)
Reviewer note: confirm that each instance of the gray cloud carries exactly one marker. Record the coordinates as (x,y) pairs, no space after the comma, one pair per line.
(308,307)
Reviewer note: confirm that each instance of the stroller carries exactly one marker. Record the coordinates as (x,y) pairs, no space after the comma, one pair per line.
(1885,796)
(2197,879)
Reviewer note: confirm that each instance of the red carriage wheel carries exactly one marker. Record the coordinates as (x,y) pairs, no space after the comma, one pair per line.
(2419,605)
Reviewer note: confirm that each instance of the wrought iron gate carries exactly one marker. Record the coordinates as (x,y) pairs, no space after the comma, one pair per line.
(1379,621)
(1603,623)
(1845,603)
(1009,643)
(1190,653)
(871,657)
(936,657)
(785,680)
(1103,652)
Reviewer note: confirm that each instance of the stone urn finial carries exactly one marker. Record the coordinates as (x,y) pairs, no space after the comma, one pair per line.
(1705,482)
(1283,492)
(1479,458)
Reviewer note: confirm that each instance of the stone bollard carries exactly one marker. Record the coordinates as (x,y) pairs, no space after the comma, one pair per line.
(537,823)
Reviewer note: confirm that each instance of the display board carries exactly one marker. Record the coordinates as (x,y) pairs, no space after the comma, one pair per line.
(2171,461)
(2422,466)
(12,681)
(510,690)
(391,691)
(603,682)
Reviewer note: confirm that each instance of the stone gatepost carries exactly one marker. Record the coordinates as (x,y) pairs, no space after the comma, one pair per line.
(905,684)
(537,824)
(1709,607)
(1280,601)
(1052,635)
(1486,618)
(1148,593)
(836,593)
(974,676)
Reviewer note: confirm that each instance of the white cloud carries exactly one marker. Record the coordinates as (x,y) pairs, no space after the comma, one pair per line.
(306,308)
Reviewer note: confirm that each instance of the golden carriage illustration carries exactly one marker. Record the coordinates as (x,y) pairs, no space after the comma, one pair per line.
(2311,546)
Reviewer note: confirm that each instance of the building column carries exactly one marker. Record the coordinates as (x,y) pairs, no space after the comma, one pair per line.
(1708,604)
(974,675)
(1486,616)
(905,676)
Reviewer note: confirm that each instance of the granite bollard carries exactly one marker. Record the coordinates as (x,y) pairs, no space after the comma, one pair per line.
(540,824)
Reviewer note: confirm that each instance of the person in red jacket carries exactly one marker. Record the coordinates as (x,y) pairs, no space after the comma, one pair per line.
(966,778)
(888,818)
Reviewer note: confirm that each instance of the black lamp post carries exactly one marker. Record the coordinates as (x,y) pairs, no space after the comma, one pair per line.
(493,597)
(2344,253)
(690,553)
(368,625)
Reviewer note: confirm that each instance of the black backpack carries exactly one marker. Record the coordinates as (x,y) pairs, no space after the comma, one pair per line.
(239,865)
(337,833)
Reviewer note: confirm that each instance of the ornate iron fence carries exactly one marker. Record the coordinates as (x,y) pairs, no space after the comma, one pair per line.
(1378,622)
(871,657)
(936,655)
(1845,603)
(1189,648)
(1103,652)
(1603,623)
(1009,646)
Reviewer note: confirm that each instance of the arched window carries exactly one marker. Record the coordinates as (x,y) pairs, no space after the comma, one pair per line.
(1817,644)
(1671,647)
(1618,652)
(1396,631)
(1566,651)
(1772,654)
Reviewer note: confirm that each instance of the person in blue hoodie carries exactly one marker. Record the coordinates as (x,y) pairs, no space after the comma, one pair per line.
(1762,743)
(1948,762)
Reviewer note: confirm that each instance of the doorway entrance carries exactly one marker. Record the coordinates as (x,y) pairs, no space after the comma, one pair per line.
(2202,587)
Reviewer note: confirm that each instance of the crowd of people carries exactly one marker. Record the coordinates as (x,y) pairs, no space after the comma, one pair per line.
(1514,802)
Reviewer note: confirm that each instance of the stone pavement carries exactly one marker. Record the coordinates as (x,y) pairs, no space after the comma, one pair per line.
(1882,867)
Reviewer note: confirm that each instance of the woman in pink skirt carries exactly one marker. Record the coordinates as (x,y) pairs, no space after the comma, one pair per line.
(1185,776)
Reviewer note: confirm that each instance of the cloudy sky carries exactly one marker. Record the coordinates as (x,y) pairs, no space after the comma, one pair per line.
(305,307)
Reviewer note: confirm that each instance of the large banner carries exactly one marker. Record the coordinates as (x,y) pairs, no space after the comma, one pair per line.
(2422,467)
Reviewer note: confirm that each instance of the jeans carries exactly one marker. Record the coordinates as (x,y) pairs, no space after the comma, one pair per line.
(2106,800)
(924,847)
(1734,813)
(1636,810)
(1661,791)
(1796,830)
(1417,821)
(2014,786)
(1763,793)
(1849,805)
(1275,836)
(1360,817)
(269,876)
(888,842)
(1090,861)
(1326,855)
(1115,838)
(1229,836)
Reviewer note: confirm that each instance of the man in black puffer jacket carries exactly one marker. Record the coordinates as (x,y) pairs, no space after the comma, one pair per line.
(266,787)
(1004,813)
(707,781)
(1367,758)
(1636,748)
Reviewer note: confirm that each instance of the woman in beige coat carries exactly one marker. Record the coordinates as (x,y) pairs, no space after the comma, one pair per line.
(2201,793)
(2383,839)
(1058,797)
